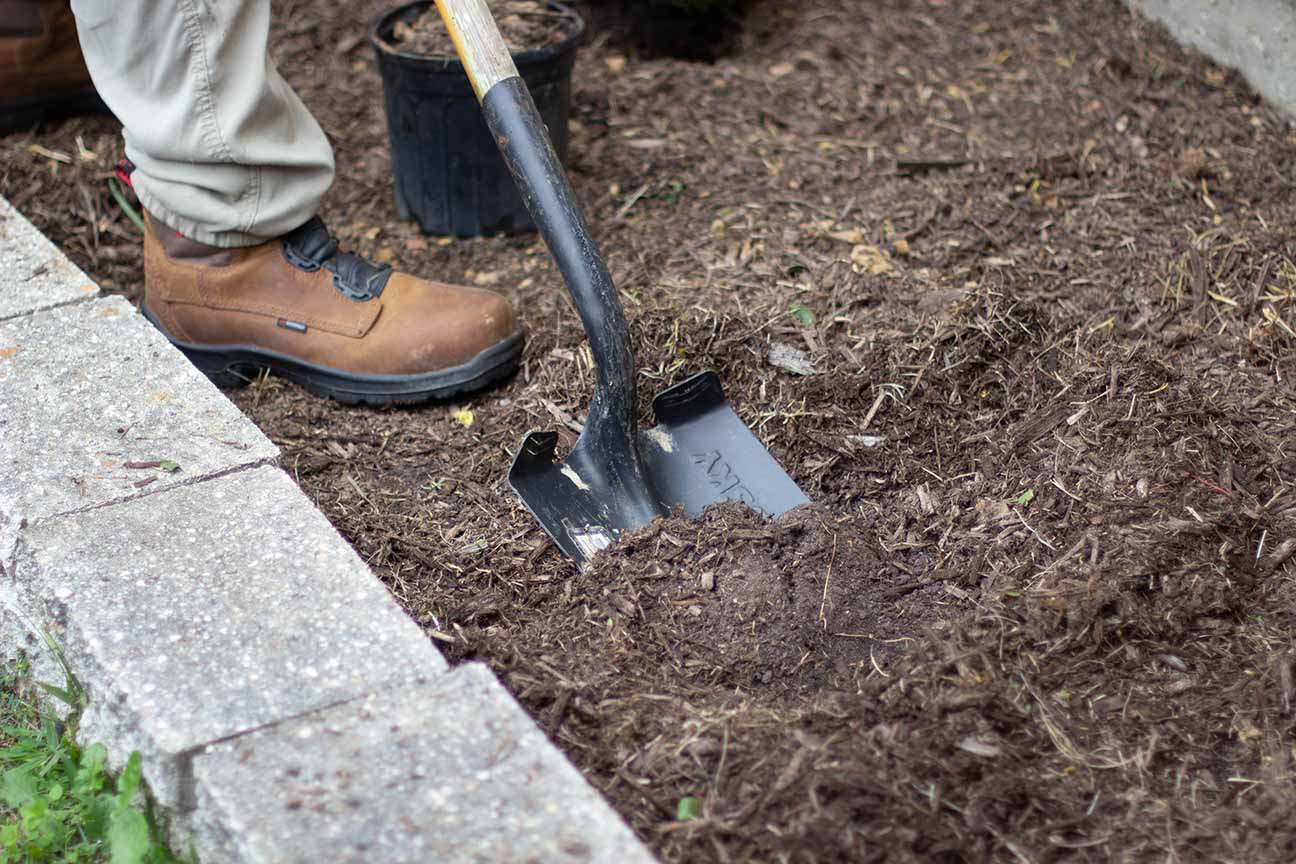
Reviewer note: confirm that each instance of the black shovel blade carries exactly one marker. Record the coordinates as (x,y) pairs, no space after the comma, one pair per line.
(699,453)
(586,501)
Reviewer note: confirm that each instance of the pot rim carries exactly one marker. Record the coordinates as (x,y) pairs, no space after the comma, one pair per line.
(548,52)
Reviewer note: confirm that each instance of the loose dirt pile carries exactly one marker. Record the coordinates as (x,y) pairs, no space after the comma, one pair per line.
(1039,261)
(757,601)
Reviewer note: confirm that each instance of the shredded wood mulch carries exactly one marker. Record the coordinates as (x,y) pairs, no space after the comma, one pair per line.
(1038,263)
(525,25)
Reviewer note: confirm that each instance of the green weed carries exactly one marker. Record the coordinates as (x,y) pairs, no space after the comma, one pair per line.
(57,801)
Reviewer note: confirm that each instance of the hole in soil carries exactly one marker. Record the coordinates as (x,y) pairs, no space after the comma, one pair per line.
(794,604)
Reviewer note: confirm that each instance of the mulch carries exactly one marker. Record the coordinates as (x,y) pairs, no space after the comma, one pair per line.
(525,25)
(1039,264)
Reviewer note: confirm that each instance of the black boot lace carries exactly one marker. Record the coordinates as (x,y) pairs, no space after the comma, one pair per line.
(311,247)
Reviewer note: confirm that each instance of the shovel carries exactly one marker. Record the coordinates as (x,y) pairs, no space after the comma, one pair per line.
(616,478)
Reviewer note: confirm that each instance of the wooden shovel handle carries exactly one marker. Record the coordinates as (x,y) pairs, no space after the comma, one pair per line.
(478,42)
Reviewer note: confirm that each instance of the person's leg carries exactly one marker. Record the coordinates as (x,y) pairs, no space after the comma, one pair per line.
(225,151)
(239,272)
(41,74)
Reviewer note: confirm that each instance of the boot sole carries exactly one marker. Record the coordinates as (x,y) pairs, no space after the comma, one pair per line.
(26,115)
(231,367)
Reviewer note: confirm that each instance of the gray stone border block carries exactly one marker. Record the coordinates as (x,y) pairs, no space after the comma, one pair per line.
(88,390)
(209,611)
(1257,37)
(452,770)
(34,274)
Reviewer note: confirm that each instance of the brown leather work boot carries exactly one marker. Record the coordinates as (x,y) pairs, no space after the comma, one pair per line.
(334,323)
(42,75)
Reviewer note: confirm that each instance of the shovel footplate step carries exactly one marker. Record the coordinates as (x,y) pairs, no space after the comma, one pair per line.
(701,453)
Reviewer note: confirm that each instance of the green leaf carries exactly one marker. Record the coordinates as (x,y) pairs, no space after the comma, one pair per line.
(96,811)
(67,697)
(19,788)
(169,465)
(9,841)
(129,781)
(89,773)
(55,792)
(128,837)
(688,809)
(37,824)
(1026,497)
(802,314)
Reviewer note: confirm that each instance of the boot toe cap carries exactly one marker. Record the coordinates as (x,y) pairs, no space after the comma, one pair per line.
(441,326)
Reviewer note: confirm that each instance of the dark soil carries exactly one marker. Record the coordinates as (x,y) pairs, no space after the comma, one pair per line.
(1041,260)
(526,25)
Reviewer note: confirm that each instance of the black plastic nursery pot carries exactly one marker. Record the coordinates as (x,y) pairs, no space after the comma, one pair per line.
(448,172)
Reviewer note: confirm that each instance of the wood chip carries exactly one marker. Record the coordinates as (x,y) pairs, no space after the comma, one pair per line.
(791,359)
(977,747)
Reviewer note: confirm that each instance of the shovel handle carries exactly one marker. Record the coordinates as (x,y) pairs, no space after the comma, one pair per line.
(520,134)
(478,42)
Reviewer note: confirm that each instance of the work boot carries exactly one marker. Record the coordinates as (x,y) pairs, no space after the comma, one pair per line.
(42,75)
(335,323)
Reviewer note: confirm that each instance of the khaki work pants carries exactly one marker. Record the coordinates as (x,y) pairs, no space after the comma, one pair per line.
(225,151)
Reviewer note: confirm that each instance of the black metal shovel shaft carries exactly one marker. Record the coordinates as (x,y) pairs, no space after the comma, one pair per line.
(607,442)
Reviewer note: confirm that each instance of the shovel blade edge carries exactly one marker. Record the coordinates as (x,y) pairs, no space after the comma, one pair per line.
(581,504)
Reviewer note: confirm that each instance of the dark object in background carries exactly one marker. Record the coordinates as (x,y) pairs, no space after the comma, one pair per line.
(42,75)
(447,170)
(688,29)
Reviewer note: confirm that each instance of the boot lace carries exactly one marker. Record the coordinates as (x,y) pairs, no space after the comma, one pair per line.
(312,247)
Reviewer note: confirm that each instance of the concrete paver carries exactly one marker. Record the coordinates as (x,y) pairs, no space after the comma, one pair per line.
(452,770)
(89,390)
(212,610)
(34,274)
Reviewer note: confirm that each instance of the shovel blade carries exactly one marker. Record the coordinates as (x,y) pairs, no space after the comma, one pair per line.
(700,453)
(583,502)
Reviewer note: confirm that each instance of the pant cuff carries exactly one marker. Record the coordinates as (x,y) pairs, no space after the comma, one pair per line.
(194,231)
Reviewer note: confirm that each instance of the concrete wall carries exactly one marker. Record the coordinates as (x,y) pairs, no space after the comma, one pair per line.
(1257,37)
